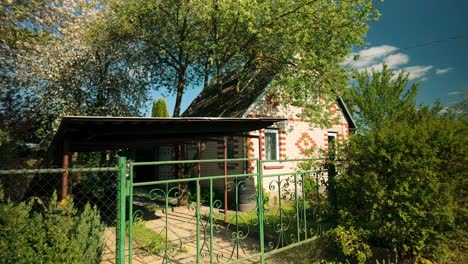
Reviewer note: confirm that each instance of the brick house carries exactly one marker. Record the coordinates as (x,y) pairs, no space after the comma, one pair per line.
(291,139)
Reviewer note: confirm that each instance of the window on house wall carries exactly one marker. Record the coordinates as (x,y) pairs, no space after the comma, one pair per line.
(271,145)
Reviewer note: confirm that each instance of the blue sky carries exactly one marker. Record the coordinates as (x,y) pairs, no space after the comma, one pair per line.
(427,38)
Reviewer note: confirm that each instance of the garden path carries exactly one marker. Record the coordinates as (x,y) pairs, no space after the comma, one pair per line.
(182,231)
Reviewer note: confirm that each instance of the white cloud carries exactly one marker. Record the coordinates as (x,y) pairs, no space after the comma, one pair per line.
(444,110)
(455,93)
(416,72)
(443,71)
(377,51)
(369,57)
(395,60)
(373,58)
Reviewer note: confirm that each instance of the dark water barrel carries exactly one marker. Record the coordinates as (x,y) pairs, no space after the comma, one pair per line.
(247,199)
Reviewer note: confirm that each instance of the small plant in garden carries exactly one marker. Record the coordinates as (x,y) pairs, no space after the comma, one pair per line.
(351,244)
(57,233)
(150,241)
(147,239)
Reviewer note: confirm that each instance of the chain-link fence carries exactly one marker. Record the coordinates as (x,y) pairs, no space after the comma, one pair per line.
(94,186)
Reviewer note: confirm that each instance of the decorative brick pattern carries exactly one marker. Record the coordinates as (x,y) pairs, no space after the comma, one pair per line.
(282,144)
(325,142)
(262,144)
(305,143)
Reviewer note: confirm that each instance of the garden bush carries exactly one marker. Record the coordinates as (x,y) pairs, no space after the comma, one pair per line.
(33,232)
(404,185)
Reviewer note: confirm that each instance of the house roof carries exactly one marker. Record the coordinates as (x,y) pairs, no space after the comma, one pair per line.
(231,101)
(93,133)
(349,118)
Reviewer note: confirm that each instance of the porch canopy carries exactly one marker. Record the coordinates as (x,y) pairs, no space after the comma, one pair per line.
(93,133)
(89,133)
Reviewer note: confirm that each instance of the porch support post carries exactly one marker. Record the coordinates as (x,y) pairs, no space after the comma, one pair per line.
(66,158)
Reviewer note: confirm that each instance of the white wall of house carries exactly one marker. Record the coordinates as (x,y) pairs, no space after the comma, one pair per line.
(296,139)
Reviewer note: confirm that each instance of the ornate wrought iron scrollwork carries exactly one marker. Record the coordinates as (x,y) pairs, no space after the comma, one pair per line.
(281,221)
(238,229)
(137,215)
(175,245)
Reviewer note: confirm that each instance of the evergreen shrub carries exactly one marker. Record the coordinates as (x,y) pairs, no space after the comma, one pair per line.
(32,232)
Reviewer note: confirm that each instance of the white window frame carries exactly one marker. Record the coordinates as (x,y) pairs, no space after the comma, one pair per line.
(272,131)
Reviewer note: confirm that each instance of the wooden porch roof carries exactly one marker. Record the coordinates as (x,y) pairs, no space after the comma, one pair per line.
(91,133)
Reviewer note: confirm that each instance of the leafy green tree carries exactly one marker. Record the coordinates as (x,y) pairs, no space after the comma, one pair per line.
(80,74)
(24,25)
(404,185)
(159,108)
(380,96)
(55,62)
(219,42)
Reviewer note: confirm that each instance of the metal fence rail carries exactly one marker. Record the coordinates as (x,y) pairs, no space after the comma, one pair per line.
(186,217)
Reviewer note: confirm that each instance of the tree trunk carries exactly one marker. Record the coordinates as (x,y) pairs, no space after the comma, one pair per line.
(180,92)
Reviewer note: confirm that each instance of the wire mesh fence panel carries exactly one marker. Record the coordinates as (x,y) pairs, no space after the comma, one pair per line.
(89,208)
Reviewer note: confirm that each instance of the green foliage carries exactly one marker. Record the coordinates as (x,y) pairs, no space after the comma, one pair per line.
(380,96)
(159,108)
(350,243)
(58,233)
(405,184)
(150,241)
(316,251)
(6,147)
(187,43)
(53,64)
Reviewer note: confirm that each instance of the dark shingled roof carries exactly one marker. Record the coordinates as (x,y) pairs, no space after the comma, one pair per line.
(231,99)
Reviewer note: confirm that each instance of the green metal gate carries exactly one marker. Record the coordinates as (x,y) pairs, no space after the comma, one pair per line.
(203,217)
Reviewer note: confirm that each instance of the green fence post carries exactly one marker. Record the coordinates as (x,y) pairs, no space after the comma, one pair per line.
(121,199)
(197,211)
(260,209)
(211,222)
(304,213)
(130,212)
